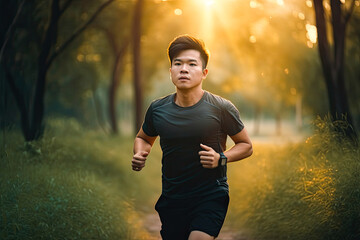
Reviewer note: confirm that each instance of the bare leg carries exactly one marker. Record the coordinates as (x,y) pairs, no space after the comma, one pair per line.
(198,235)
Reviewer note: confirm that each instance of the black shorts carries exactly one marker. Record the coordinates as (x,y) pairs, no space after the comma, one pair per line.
(179,217)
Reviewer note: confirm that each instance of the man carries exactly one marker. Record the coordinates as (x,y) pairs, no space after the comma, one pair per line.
(193,126)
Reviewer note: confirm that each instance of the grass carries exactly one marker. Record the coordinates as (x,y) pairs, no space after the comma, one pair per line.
(71,184)
(305,191)
(77,184)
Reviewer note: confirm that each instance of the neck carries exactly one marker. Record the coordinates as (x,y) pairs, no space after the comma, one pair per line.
(188,98)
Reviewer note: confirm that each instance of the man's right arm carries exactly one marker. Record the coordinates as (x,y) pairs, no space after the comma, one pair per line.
(142,147)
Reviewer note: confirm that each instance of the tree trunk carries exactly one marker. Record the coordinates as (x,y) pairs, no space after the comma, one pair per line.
(333,64)
(8,77)
(37,110)
(20,102)
(136,32)
(32,117)
(118,69)
(115,81)
(112,96)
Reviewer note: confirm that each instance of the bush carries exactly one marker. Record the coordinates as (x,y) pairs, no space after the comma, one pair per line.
(306,191)
(72,186)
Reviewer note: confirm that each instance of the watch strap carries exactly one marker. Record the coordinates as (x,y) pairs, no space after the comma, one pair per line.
(223,159)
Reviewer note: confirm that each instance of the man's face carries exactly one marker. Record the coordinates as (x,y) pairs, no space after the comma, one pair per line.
(187,70)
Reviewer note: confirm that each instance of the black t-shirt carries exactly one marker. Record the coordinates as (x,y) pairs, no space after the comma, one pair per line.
(181,130)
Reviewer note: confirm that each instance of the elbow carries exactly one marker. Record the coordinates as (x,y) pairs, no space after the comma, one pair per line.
(250,150)
(144,140)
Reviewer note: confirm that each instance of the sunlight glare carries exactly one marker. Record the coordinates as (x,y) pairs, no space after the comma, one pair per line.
(253,4)
(206,17)
(326,5)
(309,3)
(301,16)
(209,2)
(280,2)
(311,33)
(178,12)
(252,39)
(258,28)
(309,44)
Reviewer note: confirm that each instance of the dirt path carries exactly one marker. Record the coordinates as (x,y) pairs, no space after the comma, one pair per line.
(153,226)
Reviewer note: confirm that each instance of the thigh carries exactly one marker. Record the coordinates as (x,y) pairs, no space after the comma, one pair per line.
(197,235)
(174,219)
(209,215)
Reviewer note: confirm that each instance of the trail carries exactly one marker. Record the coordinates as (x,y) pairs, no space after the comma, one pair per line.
(289,135)
(153,225)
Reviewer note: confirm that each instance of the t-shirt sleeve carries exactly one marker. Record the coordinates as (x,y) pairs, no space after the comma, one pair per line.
(148,125)
(231,123)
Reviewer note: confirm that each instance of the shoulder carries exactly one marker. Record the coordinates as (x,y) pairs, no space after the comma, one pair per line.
(163,101)
(219,102)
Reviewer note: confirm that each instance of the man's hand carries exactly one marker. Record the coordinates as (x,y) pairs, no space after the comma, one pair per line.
(138,160)
(209,158)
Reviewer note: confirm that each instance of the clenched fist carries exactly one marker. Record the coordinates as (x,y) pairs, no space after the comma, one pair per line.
(138,160)
(208,157)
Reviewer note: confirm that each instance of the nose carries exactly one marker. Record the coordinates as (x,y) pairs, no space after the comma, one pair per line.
(184,69)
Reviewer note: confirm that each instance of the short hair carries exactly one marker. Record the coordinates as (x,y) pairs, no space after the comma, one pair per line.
(187,42)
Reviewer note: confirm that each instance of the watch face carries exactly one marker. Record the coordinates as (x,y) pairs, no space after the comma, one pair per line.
(223,161)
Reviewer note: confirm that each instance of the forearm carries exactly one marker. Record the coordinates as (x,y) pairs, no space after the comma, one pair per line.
(141,145)
(239,151)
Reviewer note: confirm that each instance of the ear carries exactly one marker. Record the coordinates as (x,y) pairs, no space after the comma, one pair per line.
(205,73)
(170,73)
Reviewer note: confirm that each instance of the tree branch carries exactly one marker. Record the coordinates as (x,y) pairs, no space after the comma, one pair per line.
(77,32)
(65,6)
(10,29)
(323,42)
(50,34)
(19,98)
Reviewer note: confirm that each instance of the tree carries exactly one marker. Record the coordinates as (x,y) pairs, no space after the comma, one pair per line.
(31,105)
(118,68)
(332,60)
(7,30)
(136,49)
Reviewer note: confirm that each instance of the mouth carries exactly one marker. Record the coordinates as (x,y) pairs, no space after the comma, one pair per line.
(182,78)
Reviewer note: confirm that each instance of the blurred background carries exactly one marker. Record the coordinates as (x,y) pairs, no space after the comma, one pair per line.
(79,61)
(77,77)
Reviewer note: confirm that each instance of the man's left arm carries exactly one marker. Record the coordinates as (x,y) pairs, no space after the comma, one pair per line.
(242,149)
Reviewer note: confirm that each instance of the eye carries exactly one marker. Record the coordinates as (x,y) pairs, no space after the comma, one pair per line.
(193,65)
(177,64)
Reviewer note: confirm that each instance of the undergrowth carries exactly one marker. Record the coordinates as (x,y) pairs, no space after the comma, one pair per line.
(77,184)
(71,184)
(305,191)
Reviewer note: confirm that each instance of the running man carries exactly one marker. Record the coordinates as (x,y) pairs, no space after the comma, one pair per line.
(193,125)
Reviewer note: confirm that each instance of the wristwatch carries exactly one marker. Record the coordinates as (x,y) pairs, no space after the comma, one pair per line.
(222,160)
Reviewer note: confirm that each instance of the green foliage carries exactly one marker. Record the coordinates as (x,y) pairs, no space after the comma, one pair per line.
(77,185)
(305,191)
